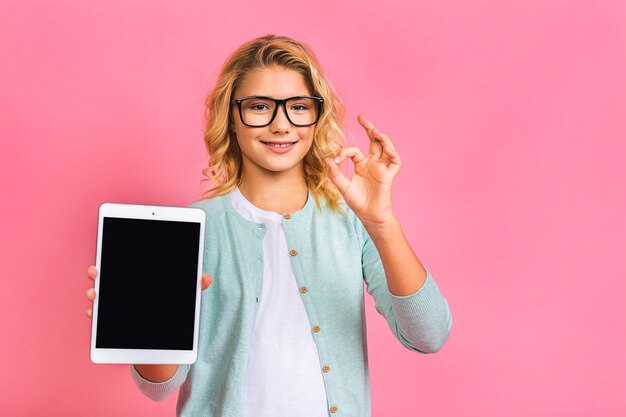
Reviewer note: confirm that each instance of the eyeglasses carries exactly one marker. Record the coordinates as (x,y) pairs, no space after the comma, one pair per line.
(259,111)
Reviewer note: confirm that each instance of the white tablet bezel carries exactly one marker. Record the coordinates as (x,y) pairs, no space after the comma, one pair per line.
(148,356)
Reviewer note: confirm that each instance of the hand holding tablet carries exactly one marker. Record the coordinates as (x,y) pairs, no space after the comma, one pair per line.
(207,280)
(148,277)
(154,373)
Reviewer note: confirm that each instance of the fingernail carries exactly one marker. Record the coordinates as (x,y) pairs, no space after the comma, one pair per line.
(337,160)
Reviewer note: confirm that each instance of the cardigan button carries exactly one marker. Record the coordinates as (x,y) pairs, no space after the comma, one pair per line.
(303,289)
(293,252)
(334,409)
(326,368)
(287,216)
(316,329)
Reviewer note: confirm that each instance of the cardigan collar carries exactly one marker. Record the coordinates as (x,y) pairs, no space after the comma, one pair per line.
(297,216)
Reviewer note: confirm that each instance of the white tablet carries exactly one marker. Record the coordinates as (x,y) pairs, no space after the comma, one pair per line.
(148,286)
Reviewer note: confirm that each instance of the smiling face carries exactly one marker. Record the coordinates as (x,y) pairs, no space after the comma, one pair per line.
(259,146)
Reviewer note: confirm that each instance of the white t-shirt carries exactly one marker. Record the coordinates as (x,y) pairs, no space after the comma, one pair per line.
(284,377)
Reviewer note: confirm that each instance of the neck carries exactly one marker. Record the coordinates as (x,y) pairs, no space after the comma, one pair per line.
(281,193)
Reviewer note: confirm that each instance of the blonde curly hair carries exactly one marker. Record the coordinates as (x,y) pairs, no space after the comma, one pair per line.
(225,165)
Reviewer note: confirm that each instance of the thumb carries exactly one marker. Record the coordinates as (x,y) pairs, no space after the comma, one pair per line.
(336,176)
(207,280)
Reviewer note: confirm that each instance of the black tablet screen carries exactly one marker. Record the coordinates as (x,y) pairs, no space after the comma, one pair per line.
(148,276)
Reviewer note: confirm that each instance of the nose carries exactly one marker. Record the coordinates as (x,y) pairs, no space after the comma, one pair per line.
(281,122)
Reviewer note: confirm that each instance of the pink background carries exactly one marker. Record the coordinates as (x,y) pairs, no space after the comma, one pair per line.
(510,117)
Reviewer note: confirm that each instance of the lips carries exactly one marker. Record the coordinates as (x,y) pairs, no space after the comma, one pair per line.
(279,147)
(278,144)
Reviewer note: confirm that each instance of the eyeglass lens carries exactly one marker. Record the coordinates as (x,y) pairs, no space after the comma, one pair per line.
(259,111)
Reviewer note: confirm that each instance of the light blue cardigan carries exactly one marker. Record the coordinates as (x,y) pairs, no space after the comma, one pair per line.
(333,256)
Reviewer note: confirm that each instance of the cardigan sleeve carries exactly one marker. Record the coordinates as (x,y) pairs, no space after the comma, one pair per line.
(158,391)
(420,321)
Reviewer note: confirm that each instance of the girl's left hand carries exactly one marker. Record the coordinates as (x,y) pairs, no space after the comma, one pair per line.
(368,192)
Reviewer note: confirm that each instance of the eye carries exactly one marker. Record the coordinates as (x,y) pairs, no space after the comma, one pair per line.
(258,106)
(299,107)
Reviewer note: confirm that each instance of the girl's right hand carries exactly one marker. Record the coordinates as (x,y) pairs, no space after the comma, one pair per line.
(207,280)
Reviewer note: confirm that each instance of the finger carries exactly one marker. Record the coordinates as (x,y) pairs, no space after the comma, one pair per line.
(367,125)
(375,149)
(91,294)
(388,148)
(336,176)
(207,280)
(352,152)
(89,313)
(92,272)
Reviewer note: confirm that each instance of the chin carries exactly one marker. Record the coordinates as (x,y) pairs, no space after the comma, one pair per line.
(282,166)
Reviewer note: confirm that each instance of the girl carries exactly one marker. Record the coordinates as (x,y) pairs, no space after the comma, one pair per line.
(290,240)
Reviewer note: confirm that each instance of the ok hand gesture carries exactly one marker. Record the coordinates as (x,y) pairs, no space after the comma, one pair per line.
(368,192)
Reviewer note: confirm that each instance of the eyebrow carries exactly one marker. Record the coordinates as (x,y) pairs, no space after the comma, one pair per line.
(275,98)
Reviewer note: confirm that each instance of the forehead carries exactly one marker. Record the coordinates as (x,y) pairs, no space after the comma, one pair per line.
(276,82)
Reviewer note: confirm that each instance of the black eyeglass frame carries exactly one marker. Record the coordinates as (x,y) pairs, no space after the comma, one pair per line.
(279,102)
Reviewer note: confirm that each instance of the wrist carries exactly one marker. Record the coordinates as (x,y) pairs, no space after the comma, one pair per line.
(382,227)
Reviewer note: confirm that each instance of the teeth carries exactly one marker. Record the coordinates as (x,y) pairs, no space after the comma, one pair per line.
(277,145)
